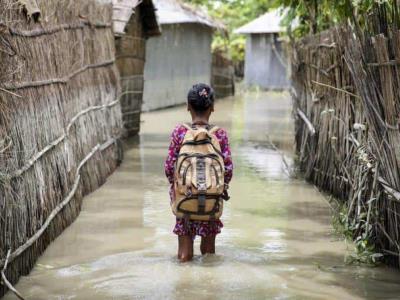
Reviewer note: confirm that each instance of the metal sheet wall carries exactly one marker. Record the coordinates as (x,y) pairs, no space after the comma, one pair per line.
(265,64)
(175,61)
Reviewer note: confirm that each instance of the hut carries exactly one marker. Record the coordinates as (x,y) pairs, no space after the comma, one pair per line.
(180,57)
(134,22)
(60,120)
(265,63)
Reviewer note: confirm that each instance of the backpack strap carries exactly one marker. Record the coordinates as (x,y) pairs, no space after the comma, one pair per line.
(187,126)
(213,129)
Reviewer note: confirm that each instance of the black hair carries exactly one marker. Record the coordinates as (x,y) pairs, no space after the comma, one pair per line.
(201,97)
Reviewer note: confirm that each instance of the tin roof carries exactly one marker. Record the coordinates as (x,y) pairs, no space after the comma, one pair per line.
(122,13)
(267,23)
(175,12)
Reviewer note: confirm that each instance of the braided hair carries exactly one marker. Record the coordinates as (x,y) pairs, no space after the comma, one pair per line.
(201,97)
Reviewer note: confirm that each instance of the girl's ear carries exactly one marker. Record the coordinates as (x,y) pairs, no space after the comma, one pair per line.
(188,107)
(212,108)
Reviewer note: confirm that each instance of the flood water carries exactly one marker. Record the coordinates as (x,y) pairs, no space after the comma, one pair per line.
(278,241)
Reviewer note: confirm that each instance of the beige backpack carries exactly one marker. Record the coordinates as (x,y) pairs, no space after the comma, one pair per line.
(199,176)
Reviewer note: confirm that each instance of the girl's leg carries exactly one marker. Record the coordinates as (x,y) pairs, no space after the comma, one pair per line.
(207,244)
(185,248)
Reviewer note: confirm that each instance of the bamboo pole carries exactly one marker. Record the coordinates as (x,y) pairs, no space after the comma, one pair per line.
(335,88)
(5,280)
(57,28)
(57,141)
(62,80)
(59,207)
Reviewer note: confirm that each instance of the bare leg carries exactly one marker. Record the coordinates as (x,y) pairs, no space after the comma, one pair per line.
(207,244)
(185,248)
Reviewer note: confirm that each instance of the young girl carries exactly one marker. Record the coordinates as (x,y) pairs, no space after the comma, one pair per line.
(200,104)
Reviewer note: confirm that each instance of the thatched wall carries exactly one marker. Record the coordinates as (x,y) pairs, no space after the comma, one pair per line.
(346,96)
(222,75)
(59,120)
(131,52)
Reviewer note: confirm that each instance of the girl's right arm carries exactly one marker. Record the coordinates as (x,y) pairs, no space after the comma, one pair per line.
(173,152)
(226,152)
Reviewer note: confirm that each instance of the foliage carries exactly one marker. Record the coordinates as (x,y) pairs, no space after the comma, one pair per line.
(312,16)
(317,15)
(234,13)
(364,249)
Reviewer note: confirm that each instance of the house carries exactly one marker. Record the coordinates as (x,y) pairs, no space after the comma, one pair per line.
(134,21)
(265,62)
(180,57)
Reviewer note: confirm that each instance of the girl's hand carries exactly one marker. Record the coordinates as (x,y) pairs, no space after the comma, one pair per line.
(226,186)
(225,196)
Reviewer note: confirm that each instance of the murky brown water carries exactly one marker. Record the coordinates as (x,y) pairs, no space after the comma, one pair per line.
(277,242)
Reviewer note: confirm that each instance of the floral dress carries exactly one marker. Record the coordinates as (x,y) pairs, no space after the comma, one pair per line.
(201,228)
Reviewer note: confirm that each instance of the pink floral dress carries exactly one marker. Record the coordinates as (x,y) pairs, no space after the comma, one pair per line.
(201,228)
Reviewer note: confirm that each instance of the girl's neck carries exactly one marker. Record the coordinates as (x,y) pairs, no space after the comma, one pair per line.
(200,121)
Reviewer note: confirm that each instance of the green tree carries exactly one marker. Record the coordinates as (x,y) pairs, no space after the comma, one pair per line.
(317,15)
(234,13)
(312,16)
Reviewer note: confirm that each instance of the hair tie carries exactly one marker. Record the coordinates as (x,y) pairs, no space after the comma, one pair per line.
(203,93)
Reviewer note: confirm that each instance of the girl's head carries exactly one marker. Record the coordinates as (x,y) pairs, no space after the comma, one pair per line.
(201,99)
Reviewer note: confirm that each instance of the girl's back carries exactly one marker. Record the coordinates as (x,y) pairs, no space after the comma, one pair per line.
(200,106)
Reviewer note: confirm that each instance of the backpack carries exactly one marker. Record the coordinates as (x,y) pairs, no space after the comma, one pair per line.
(199,176)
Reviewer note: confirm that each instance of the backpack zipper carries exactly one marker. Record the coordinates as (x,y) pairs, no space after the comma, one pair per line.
(212,156)
(203,142)
(216,174)
(185,173)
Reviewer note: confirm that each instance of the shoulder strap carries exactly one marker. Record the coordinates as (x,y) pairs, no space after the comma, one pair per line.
(187,126)
(213,129)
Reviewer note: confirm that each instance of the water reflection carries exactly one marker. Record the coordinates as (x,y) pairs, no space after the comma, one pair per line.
(277,242)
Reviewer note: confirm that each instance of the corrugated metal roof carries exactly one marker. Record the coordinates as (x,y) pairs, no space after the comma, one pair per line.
(122,12)
(175,12)
(267,23)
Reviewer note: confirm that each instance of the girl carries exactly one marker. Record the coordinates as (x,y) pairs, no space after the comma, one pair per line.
(200,104)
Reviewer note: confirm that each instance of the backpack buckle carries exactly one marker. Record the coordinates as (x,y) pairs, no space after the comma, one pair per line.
(202,186)
(189,192)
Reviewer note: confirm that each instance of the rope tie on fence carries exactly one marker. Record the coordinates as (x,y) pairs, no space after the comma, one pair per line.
(310,126)
(336,89)
(69,197)
(54,29)
(61,138)
(5,280)
(62,80)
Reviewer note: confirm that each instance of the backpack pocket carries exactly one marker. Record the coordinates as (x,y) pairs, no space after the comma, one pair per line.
(190,205)
(199,174)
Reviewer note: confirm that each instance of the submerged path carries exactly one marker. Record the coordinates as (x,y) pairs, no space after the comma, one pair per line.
(278,242)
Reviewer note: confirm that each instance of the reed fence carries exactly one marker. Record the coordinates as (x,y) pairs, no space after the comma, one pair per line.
(346,92)
(131,55)
(60,120)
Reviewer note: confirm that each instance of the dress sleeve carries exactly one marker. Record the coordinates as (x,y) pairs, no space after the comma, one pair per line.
(173,151)
(226,152)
